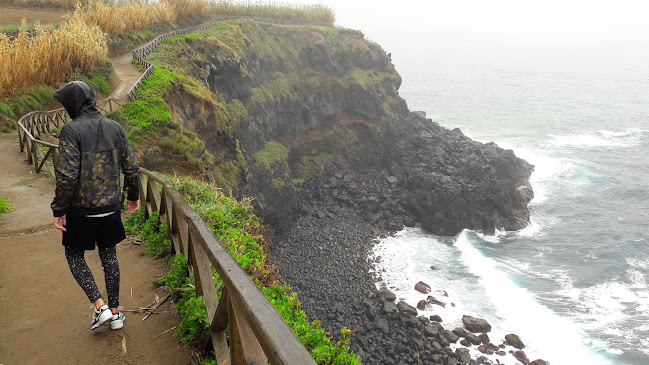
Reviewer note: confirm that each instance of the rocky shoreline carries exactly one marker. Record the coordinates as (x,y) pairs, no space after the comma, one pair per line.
(324,257)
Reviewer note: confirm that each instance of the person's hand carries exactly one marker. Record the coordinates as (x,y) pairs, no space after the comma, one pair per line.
(59,223)
(132,206)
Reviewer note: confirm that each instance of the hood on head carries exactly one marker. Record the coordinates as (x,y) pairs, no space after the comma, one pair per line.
(76,97)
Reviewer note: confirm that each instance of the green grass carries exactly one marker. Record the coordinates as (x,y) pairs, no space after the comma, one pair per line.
(149,110)
(149,118)
(273,152)
(5,205)
(6,110)
(283,87)
(237,112)
(190,147)
(366,78)
(241,232)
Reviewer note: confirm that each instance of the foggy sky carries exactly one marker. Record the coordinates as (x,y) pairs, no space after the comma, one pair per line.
(584,23)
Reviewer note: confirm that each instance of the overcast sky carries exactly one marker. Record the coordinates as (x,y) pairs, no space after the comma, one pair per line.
(566,22)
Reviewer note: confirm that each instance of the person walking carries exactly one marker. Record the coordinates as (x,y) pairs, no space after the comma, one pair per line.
(86,206)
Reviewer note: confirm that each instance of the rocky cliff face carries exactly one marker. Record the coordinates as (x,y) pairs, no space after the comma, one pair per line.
(308,121)
(313,114)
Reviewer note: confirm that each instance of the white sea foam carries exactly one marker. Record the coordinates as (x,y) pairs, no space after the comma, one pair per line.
(477,287)
(547,170)
(599,139)
(515,304)
(607,303)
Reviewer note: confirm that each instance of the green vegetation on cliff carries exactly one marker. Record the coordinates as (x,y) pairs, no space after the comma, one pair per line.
(234,223)
(291,98)
(148,120)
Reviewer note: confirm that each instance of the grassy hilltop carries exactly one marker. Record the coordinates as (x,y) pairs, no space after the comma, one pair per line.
(74,39)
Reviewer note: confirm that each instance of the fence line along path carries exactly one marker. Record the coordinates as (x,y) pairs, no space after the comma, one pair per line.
(257,333)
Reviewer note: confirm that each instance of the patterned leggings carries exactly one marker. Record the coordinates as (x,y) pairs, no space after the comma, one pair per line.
(82,274)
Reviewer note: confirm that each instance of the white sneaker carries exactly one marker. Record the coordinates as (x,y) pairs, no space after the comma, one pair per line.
(101,316)
(117,321)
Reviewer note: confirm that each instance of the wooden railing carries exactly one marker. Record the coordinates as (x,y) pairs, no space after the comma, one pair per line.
(32,126)
(258,334)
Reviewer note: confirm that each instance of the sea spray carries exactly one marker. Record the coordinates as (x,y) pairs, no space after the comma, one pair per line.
(476,286)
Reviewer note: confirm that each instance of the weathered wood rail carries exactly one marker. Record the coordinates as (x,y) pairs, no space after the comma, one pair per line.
(258,334)
(32,126)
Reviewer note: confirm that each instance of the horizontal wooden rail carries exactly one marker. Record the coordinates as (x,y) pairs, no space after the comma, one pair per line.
(32,126)
(258,334)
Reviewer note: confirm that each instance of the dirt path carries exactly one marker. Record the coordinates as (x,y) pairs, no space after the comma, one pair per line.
(44,314)
(126,72)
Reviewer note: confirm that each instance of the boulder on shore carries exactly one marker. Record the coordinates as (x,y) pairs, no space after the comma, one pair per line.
(406,308)
(476,325)
(463,355)
(431,299)
(520,356)
(422,287)
(539,362)
(514,341)
(387,295)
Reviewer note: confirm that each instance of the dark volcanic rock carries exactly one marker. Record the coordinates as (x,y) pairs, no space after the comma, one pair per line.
(463,355)
(436,318)
(476,325)
(422,287)
(421,305)
(515,341)
(473,338)
(539,362)
(520,356)
(406,308)
(387,295)
(431,299)
(450,336)
(484,338)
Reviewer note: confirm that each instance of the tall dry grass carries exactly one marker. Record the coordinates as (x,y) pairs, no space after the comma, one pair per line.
(318,14)
(115,18)
(46,55)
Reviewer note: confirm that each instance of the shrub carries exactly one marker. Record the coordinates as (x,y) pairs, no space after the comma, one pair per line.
(6,110)
(5,206)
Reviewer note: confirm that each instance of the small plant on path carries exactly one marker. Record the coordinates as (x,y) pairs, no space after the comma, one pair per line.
(5,206)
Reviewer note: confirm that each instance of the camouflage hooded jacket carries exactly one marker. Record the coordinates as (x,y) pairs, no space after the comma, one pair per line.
(92,151)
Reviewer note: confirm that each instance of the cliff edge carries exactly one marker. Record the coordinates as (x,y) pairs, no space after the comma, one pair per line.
(304,114)
(308,121)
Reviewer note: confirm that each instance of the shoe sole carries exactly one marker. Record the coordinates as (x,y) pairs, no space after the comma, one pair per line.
(102,320)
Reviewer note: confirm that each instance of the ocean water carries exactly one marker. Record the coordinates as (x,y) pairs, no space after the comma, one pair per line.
(573,284)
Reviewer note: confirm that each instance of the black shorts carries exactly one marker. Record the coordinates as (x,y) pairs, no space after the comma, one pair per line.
(84,232)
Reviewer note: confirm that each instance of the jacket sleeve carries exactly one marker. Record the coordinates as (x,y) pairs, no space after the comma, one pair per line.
(67,171)
(130,168)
